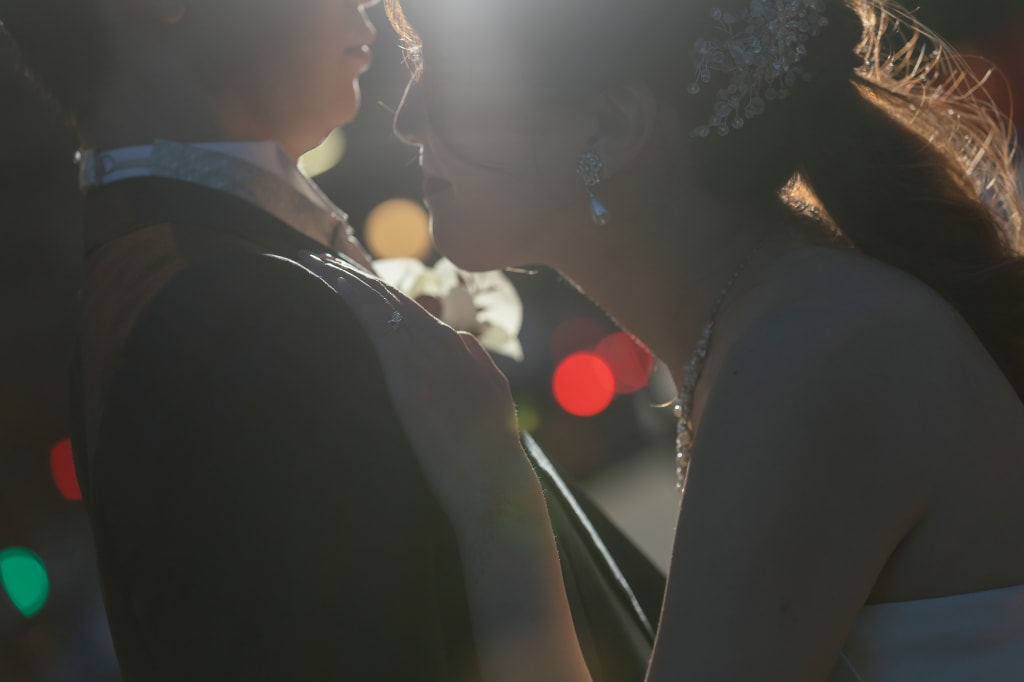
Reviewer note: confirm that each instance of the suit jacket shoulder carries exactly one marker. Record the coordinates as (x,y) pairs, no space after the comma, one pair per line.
(248,392)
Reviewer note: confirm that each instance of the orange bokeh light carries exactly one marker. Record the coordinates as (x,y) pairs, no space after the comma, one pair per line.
(398,228)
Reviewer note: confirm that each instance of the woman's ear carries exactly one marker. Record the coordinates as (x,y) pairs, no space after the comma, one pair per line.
(627,116)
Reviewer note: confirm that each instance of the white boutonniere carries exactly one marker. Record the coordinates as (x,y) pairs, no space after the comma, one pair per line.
(485,304)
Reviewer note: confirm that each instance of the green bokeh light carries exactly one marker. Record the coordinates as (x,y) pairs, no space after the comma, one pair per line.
(23,575)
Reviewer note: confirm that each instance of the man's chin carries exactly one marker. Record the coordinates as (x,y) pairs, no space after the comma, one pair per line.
(349,113)
(343,111)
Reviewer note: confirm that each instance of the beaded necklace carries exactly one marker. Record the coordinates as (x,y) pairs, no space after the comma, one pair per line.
(682,408)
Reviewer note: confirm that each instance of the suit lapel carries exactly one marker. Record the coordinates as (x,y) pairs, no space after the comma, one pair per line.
(122,208)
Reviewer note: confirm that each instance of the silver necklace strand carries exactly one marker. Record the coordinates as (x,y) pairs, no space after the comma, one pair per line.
(682,408)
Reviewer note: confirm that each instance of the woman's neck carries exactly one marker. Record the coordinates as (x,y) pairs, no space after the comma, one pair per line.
(662,284)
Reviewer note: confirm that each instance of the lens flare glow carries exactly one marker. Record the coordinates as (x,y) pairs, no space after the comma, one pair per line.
(584,385)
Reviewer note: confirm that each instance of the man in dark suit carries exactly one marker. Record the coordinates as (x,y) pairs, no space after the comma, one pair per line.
(257,511)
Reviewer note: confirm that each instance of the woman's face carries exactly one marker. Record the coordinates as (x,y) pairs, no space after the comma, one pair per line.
(498,164)
(285,70)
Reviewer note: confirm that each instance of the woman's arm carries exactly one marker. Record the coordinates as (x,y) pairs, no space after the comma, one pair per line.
(457,410)
(517,597)
(817,446)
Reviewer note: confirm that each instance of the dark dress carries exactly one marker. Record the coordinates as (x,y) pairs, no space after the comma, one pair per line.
(258,512)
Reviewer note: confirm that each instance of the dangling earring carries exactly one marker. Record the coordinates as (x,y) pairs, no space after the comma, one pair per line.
(590,168)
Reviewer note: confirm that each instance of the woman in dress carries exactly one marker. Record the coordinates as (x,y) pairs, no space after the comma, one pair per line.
(807,210)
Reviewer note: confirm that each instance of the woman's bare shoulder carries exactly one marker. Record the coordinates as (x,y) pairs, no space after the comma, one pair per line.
(819,413)
(835,308)
(843,351)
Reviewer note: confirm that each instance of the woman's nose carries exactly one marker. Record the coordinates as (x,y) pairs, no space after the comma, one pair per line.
(409,116)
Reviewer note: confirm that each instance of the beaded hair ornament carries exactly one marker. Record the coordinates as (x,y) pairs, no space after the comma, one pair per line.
(760,51)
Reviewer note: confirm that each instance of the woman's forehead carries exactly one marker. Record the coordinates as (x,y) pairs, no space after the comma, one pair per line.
(433,16)
(460,25)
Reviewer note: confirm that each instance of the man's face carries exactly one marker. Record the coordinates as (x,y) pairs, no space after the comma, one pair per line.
(286,70)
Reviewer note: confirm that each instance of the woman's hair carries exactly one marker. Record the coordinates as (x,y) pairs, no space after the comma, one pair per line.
(892,145)
(62,46)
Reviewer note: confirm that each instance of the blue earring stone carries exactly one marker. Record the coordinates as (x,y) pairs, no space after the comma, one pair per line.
(598,211)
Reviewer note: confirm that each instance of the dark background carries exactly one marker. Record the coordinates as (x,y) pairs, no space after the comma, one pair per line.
(40,254)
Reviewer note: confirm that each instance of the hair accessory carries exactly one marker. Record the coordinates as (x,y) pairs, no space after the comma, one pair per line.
(760,51)
(590,168)
(395,321)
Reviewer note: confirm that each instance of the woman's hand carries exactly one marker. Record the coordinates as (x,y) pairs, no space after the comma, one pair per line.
(454,403)
(456,409)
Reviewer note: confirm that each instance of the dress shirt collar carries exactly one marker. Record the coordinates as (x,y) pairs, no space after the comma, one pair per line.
(258,172)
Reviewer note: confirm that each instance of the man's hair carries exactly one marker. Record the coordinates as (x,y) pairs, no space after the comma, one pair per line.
(62,46)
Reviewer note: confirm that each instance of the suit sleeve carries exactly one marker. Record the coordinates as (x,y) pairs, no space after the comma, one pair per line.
(267,518)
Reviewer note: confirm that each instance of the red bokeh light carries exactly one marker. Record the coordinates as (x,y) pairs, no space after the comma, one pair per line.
(62,466)
(584,384)
(629,360)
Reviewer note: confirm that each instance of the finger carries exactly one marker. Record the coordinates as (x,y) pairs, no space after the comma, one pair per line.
(377,315)
(483,358)
(356,287)
(477,350)
(413,313)
(474,347)
(364,275)
(339,261)
(386,291)
(403,313)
